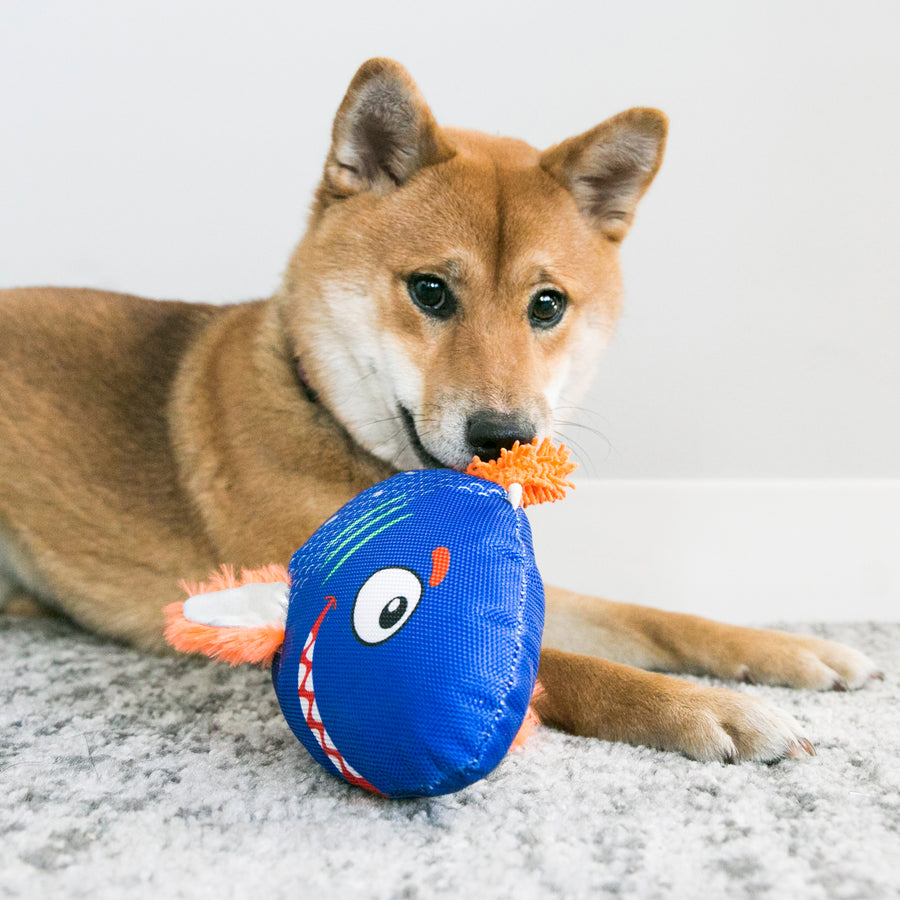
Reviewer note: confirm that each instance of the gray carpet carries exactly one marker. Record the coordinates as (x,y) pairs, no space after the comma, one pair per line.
(128,776)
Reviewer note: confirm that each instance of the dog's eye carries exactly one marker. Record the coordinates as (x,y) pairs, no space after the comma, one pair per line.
(547,308)
(384,604)
(432,295)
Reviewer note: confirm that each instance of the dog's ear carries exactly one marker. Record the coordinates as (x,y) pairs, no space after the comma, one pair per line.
(608,168)
(383,133)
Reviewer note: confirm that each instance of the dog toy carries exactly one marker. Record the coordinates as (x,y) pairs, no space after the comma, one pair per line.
(404,637)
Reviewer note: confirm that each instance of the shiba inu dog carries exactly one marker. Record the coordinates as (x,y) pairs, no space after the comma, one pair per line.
(450,296)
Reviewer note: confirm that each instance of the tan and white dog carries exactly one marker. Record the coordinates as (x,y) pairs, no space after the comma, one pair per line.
(451,295)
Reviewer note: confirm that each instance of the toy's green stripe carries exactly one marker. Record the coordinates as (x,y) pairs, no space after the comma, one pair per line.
(361,524)
(391,502)
(357,522)
(359,530)
(365,540)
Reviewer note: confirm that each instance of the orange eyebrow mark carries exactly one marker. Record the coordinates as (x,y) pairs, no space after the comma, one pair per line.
(440,563)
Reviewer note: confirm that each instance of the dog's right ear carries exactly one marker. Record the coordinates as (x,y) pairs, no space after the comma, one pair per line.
(383,133)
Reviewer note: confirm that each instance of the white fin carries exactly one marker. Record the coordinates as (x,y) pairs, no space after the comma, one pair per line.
(514,494)
(241,607)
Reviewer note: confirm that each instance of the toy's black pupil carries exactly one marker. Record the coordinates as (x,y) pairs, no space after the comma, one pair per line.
(429,292)
(392,613)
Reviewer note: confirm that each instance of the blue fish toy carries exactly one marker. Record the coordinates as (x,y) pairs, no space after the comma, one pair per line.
(405,635)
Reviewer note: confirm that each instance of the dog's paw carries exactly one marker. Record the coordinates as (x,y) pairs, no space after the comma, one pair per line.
(718,725)
(800,661)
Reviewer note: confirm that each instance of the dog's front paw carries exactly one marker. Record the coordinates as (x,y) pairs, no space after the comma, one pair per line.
(716,724)
(800,661)
(598,698)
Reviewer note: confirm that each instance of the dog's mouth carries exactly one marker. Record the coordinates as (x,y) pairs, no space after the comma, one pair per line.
(428,460)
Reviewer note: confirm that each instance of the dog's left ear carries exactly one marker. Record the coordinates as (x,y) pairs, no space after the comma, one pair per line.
(609,168)
(383,133)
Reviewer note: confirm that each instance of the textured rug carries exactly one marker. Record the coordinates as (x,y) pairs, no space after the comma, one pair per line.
(123,775)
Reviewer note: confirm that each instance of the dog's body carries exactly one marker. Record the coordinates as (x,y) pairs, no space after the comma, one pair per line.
(450,296)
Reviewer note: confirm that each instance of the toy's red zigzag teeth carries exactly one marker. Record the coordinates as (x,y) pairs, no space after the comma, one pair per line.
(306,693)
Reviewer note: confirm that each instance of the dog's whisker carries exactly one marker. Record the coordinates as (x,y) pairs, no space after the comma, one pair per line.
(596,431)
(568,437)
(582,457)
(579,412)
(576,411)
(388,440)
(374,422)
(563,425)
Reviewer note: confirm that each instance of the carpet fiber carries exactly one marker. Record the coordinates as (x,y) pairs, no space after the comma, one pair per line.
(123,775)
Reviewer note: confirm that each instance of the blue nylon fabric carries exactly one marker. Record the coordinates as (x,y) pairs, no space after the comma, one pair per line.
(436,705)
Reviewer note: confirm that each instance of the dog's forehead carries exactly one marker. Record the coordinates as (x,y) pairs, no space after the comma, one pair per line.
(490,211)
(478,146)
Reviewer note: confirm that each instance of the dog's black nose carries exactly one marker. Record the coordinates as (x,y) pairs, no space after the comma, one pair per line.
(488,432)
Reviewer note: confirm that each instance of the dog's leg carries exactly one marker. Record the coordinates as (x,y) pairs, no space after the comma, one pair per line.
(673,642)
(26,605)
(597,698)
(15,599)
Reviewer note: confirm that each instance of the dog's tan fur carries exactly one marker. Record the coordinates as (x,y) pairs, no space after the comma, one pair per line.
(145,442)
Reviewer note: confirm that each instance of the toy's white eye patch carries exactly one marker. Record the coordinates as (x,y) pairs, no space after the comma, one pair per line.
(384,604)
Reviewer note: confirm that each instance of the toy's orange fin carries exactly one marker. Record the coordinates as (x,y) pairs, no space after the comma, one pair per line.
(237,619)
(539,467)
(230,644)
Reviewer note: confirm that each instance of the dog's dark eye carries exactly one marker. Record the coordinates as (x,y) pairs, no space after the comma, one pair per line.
(431,295)
(547,308)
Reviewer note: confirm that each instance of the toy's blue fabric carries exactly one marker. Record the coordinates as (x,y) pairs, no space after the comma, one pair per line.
(413,634)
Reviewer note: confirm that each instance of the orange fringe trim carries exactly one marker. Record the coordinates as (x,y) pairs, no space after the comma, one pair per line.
(225,579)
(540,468)
(232,645)
(531,721)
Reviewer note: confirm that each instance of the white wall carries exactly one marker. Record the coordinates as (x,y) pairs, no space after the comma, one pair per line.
(171,148)
(750,551)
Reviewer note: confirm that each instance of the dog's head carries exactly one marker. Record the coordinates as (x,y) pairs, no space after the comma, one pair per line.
(454,289)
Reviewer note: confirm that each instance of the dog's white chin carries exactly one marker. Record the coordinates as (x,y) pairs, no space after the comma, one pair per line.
(406,460)
(425,457)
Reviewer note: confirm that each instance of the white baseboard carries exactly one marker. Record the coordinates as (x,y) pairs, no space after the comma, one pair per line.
(747,551)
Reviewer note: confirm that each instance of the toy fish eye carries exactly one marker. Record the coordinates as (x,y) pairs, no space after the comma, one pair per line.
(384,604)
